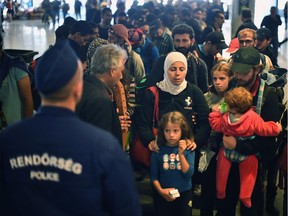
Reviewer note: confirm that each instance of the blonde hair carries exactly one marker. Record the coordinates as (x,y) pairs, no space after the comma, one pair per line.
(239,99)
(247,31)
(224,67)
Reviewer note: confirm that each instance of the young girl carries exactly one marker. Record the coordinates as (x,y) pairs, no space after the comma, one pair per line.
(173,167)
(221,76)
(243,122)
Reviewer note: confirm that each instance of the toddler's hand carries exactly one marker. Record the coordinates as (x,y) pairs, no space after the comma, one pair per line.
(216,108)
(279,126)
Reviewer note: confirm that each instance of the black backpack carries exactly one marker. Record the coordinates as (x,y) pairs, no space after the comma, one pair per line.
(278,88)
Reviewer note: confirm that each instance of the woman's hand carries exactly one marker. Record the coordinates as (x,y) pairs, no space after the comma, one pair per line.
(153,146)
(190,144)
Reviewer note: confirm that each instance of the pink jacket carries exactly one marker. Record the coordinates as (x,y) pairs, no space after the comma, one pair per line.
(249,124)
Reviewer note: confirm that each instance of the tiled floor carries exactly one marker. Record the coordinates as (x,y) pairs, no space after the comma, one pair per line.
(34,35)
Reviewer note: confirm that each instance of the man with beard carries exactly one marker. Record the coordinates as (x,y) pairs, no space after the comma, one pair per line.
(183,40)
(246,68)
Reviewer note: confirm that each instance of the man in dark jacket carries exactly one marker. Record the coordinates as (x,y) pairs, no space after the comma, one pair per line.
(272,22)
(96,105)
(246,18)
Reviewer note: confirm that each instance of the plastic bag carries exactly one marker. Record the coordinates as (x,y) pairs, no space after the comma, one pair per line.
(205,157)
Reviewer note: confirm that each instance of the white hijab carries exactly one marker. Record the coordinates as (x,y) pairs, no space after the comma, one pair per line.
(165,84)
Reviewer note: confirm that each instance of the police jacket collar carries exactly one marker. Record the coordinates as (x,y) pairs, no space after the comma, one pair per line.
(55,111)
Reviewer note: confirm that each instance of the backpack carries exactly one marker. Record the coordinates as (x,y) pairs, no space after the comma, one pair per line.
(277,88)
(276,79)
(8,62)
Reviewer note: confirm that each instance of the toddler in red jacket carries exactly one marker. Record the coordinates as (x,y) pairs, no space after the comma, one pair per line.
(243,123)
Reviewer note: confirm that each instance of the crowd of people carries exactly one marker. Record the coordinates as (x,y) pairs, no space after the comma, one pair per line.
(68,153)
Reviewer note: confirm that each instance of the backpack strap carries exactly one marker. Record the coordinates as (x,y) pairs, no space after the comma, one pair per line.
(260,96)
(196,54)
(263,59)
(194,64)
(285,108)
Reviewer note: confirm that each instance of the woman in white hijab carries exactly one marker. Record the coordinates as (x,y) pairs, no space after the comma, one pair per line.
(175,70)
(175,94)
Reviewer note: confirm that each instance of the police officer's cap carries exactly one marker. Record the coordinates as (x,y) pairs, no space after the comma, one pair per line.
(55,68)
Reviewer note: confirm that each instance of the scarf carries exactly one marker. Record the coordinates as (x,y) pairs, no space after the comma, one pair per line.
(166,85)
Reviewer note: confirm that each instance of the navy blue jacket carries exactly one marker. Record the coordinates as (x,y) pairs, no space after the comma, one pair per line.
(55,164)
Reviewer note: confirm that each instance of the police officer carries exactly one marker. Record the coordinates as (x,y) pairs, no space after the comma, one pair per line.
(55,164)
